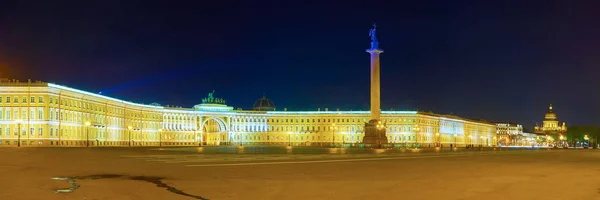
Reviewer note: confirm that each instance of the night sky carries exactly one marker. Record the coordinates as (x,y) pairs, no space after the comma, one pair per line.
(493,60)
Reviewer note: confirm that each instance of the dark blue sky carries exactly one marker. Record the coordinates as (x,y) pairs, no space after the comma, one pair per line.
(495,60)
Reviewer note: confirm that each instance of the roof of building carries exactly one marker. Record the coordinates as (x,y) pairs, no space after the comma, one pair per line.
(550,115)
(263,104)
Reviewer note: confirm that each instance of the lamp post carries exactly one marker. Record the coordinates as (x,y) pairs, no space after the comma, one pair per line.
(455,140)
(561,140)
(87,134)
(289,138)
(333,128)
(19,122)
(438,142)
(470,140)
(160,137)
(417,129)
(129,135)
(481,141)
(379,128)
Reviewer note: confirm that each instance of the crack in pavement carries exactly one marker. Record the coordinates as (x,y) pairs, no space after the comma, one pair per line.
(151,179)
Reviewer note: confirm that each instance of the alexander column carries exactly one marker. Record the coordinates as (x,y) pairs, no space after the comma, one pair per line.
(375,129)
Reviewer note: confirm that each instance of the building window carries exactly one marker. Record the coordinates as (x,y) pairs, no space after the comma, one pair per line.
(24,100)
(50,99)
(51,131)
(32,99)
(41,100)
(40,130)
(0,99)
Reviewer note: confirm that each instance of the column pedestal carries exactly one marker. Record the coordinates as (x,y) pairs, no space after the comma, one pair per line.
(375,137)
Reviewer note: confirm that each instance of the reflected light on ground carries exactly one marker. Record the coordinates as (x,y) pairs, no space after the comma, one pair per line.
(200,149)
(333,150)
(379,151)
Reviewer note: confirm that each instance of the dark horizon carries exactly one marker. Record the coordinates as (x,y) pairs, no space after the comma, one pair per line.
(497,61)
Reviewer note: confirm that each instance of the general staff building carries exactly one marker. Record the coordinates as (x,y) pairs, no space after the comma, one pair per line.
(46,114)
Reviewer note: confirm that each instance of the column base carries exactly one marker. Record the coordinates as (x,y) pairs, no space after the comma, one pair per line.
(375,137)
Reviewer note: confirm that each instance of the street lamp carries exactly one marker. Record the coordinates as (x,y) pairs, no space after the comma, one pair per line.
(333,128)
(19,122)
(438,143)
(289,138)
(481,141)
(160,137)
(455,139)
(379,128)
(561,140)
(417,133)
(129,135)
(470,140)
(87,134)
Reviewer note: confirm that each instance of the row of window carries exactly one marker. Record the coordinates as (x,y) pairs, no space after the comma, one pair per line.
(20,113)
(23,131)
(297,120)
(15,99)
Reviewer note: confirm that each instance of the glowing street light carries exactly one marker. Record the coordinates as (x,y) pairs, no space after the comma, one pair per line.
(333,128)
(129,134)
(19,122)
(455,135)
(160,137)
(417,129)
(87,133)
(380,127)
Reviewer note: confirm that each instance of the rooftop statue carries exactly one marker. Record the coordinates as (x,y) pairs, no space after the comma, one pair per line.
(372,32)
(210,94)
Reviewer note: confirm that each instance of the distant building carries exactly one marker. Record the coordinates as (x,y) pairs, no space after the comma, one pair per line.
(550,125)
(509,133)
(552,130)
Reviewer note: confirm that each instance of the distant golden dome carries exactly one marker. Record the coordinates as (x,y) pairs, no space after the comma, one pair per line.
(550,115)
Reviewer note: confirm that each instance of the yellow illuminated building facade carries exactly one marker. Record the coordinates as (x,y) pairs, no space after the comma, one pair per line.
(46,114)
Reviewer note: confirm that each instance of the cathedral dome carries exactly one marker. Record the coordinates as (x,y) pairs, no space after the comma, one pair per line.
(264,104)
(550,115)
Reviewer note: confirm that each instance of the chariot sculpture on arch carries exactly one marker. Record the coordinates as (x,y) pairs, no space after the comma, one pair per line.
(211,99)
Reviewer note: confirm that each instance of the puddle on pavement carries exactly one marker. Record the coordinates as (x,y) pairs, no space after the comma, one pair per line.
(150,179)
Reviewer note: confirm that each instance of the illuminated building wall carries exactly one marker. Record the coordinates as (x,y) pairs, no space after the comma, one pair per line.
(510,134)
(53,115)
